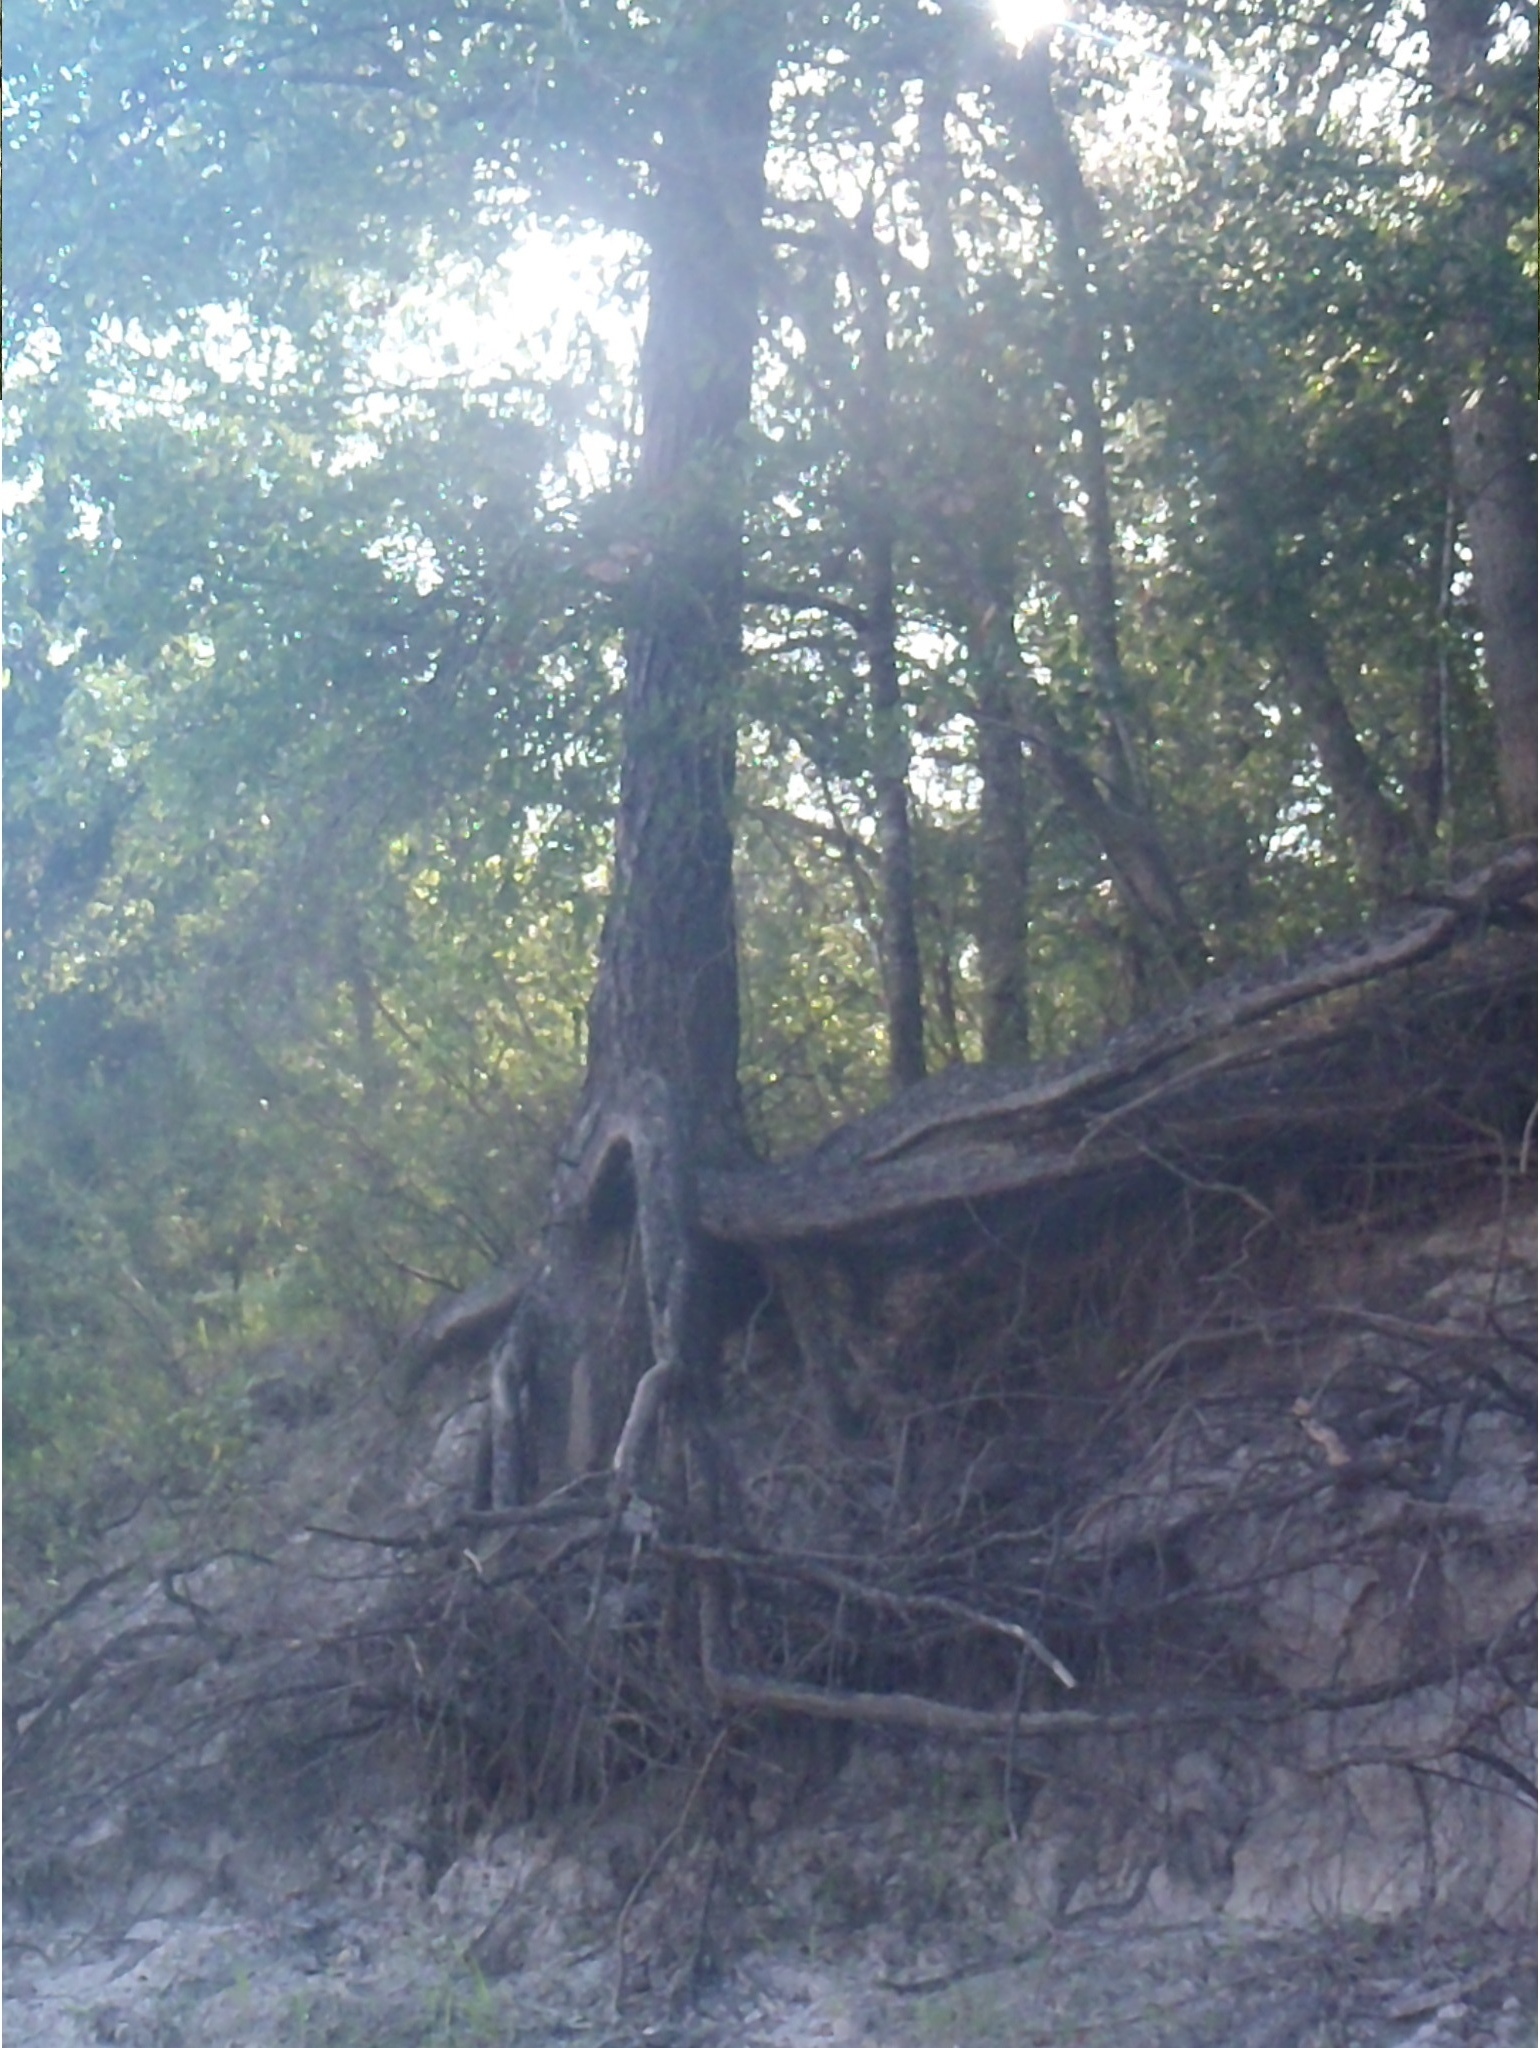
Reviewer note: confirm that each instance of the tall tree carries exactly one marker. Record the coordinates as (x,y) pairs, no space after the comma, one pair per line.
(981,550)
(666,1001)
(319,719)
(877,538)
(581,1380)
(1486,146)
(1074,220)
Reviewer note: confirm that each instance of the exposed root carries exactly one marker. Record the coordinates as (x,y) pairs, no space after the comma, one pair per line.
(954,1458)
(629,1157)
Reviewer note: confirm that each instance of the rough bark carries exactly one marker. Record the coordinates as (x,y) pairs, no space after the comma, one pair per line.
(620,1321)
(1489,428)
(1491,421)
(876,528)
(666,999)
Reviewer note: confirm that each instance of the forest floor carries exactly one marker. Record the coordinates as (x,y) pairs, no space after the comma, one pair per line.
(830,1954)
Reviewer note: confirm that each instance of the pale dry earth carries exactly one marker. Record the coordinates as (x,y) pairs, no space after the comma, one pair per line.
(849,1934)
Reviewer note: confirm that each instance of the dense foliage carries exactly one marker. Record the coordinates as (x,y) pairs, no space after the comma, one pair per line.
(1111,564)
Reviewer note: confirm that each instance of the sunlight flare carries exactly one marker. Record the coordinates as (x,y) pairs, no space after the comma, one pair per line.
(1024,21)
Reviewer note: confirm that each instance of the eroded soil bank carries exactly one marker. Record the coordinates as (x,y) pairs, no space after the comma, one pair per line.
(1361,1877)
(1239,1439)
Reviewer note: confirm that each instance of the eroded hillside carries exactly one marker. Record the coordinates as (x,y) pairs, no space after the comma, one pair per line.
(1103,1602)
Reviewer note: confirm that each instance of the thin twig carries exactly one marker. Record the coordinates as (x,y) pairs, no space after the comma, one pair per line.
(777,1564)
(655,1861)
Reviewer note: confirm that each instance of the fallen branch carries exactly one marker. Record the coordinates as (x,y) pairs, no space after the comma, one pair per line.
(587,1497)
(78,1682)
(1233,1003)
(973,1134)
(939,1717)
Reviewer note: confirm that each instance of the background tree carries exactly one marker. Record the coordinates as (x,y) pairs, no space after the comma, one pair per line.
(1481,119)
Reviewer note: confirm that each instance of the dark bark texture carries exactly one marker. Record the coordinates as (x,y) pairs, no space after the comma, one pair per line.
(1491,422)
(666,1000)
(876,529)
(620,1322)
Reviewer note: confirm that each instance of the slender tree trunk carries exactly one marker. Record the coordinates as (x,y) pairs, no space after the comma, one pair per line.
(1489,431)
(947,1019)
(1380,830)
(1491,422)
(1107,803)
(1003,842)
(902,988)
(1429,786)
(986,548)
(1146,877)
(1072,214)
(1126,834)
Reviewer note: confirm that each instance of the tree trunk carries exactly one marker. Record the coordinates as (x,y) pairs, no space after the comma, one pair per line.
(1155,896)
(1381,832)
(1491,422)
(1009,706)
(875,528)
(1489,429)
(1127,834)
(1002,863)
(985,549)
(624,1318)
(1072,214)
(1429,784)
(666,999)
